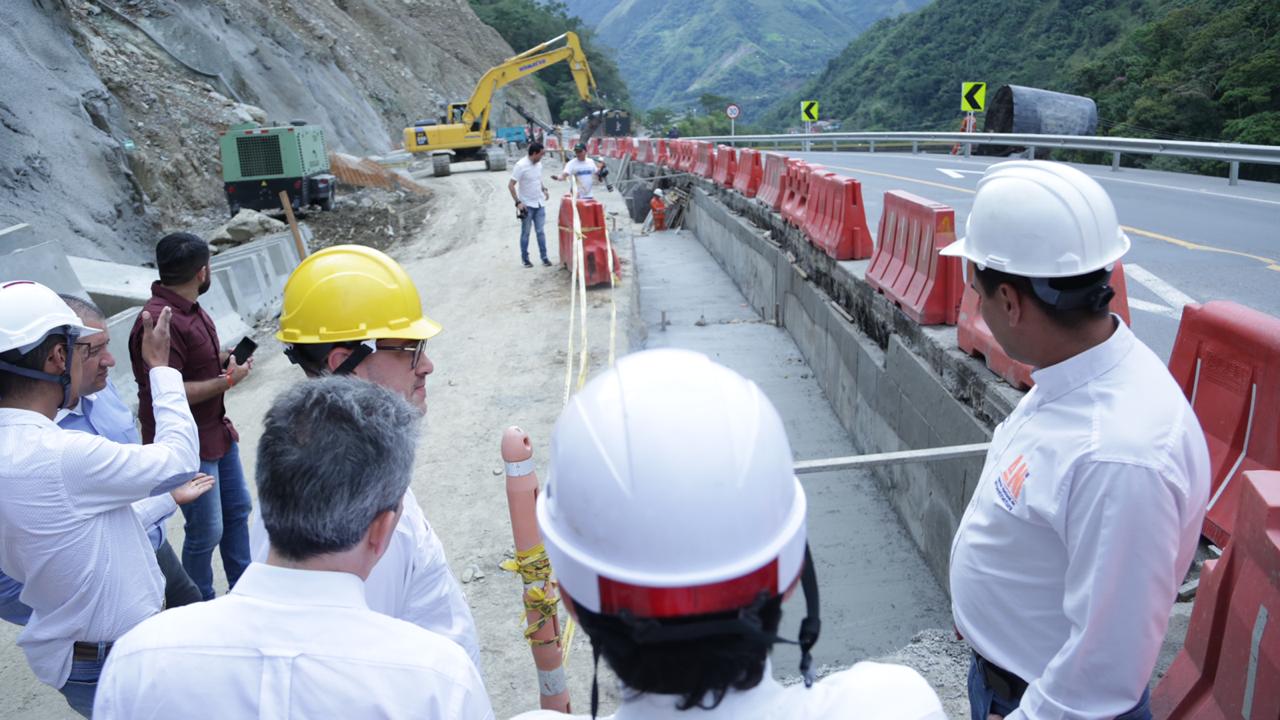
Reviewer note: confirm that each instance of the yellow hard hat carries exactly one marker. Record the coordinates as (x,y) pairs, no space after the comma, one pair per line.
(349,293)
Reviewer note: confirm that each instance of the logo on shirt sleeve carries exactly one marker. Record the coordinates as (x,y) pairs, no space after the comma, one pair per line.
(1009,483)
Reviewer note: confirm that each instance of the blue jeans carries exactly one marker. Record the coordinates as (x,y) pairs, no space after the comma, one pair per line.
(82,683)
(984,701)
(219,518)
(537,217)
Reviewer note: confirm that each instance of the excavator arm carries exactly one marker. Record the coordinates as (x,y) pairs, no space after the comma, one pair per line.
(527,63)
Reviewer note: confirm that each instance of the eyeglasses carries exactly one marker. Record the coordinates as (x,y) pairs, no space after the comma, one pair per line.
(93,351)
(418,349)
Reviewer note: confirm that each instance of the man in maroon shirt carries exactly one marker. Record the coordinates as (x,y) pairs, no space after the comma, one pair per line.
(218,518)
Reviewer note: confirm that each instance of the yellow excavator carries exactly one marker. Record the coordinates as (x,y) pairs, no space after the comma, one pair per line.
(464,132)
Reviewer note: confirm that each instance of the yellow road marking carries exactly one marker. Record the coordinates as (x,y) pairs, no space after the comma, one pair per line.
(1271,263)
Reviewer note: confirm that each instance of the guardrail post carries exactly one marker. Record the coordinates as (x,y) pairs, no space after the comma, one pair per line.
(915,147)
(968,149)
(1115,161)
(873,146)
(1031,153)
(833,146)
(1233,178)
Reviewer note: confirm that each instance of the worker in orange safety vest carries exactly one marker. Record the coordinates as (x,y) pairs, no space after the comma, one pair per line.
(659,210)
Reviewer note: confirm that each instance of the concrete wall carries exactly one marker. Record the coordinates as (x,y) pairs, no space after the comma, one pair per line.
(893,384)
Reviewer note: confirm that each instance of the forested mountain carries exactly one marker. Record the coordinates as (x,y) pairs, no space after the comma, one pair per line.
(672,52)
(1207,69)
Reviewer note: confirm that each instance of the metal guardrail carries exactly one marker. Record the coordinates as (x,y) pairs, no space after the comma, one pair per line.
(1231,153)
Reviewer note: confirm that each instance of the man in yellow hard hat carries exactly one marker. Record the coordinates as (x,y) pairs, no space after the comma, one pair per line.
(352,310)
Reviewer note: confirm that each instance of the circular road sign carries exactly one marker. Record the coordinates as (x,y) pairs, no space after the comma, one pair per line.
(733,111)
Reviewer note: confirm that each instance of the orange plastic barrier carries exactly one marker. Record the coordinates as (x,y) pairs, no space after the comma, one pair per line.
(791,187)
(629,147)
(726,166)
(773,181)
(746,179)
(1227,360)
(553,142)
(595,253)
(802,178)
(660,153)
(541,600)
(818,209)
(906,266)
(1229,666)
(705,159)
(644,151)
(842,231)
(593,146)
(974,337)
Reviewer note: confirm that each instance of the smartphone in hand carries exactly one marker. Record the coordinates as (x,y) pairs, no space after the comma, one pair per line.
(244,350)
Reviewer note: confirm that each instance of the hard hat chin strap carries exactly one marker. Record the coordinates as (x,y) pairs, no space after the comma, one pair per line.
(64,379)
(647,631)
(1093,298)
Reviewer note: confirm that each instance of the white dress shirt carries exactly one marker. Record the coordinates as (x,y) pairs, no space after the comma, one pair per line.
(1083,524)
(411,581)
(867,691)
(287,643)
(68,532)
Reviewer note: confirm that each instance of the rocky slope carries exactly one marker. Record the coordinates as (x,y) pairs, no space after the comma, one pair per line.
(110,109)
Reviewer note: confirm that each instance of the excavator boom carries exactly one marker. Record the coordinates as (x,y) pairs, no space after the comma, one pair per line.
(465,132)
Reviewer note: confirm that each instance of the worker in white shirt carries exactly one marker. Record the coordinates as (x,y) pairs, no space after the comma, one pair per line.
(582,170)
(530,196)
(1088,511)
(676,528)
(294,638)
(351,310)
(68,532)
(100,411)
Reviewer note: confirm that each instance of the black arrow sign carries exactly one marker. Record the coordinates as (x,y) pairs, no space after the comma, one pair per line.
(809,109)
(971,97)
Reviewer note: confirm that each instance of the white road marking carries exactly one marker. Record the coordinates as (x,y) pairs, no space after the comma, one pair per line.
(1154,308)
(1166,292)
(953,174)
(1198,191)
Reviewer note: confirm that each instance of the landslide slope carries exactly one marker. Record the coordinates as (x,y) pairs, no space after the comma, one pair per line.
(110,110)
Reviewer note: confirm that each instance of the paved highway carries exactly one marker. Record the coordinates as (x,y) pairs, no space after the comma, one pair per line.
(1194,238)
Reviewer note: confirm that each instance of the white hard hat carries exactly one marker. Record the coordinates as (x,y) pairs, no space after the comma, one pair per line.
(672,492)
(1040,219)
(30,312)
(658,192)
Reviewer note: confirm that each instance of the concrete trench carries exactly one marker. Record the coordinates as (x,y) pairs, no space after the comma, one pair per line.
(849,375)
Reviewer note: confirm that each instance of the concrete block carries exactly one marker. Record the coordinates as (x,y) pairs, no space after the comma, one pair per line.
(119,325)
(114,286)
(42,262)
(19,237)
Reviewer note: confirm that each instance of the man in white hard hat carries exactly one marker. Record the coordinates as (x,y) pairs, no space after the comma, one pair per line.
(1068,559)
(676,528)
(68,531)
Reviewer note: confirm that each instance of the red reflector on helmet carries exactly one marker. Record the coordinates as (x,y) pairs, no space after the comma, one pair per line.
(660,602)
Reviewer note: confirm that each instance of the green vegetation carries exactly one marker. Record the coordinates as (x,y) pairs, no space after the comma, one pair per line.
(752,51)
(1196,69)
(527,23)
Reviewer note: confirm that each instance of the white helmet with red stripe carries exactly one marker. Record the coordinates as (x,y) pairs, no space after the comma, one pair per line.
(672,492)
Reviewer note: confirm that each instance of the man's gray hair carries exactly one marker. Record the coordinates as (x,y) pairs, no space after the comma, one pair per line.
(335,452)
(87,310)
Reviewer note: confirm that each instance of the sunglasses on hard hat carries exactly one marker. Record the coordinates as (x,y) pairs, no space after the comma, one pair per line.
(418,348)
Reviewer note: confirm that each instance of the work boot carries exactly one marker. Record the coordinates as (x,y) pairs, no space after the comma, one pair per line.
(528,264)
(546,262)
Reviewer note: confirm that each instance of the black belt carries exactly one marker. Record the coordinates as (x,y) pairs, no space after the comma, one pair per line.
(1007,686)
(88,651)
